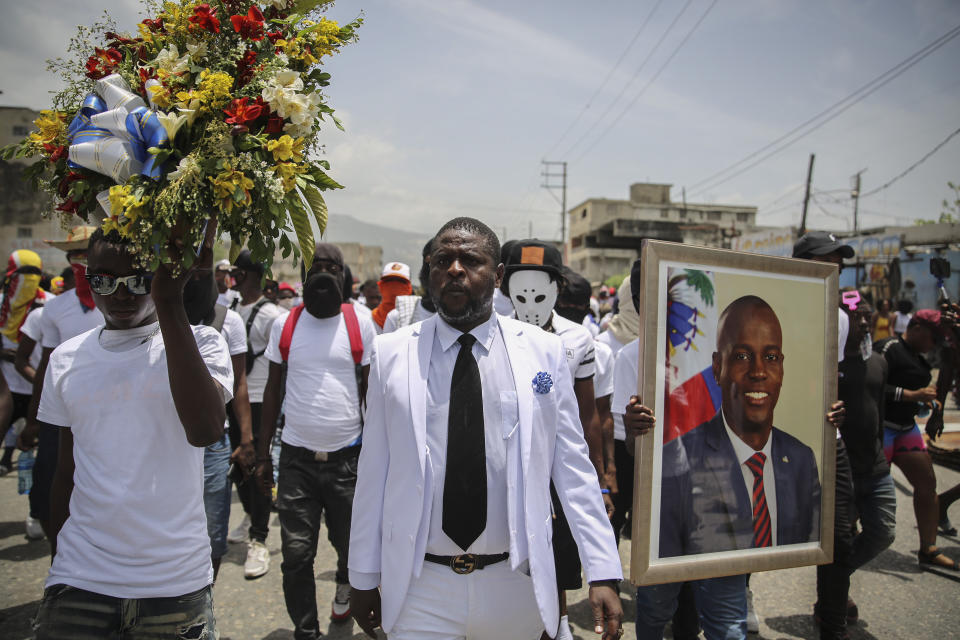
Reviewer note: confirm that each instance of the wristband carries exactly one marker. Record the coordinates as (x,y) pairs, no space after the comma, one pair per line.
(604,490)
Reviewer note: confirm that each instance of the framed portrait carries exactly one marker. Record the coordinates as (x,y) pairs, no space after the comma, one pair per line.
(738,361)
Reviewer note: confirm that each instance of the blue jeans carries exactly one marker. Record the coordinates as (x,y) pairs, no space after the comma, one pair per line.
(69,613)
(876,501)
(721,602)
(216,494)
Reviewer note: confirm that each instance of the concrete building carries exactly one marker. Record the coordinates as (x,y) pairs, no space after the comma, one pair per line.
(605,234)
(26,216)
(365,262)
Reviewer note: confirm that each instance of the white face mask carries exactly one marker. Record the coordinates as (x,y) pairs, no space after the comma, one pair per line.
(286,303)
(533,295)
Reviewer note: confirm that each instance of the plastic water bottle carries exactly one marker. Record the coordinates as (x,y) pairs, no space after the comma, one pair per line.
(25,472)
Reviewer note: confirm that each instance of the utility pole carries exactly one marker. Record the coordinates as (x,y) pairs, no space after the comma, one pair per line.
(562,175)
(806,197)
(855,194)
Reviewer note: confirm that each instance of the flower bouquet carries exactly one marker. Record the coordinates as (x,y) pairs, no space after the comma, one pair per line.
(212,109)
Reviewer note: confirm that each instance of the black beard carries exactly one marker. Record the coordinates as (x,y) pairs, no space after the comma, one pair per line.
(477,309)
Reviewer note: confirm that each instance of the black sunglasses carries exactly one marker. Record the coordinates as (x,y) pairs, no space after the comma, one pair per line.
(105,285)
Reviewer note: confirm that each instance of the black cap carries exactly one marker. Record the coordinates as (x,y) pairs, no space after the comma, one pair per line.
(577,291)
(820,243)
(533,254)
(245,262)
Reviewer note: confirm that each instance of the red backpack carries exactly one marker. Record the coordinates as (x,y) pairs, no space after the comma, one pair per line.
(353,331)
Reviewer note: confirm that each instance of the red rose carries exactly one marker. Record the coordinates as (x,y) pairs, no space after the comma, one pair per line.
(57,152)
(241,112)
(70,206)
(274,124)
(205,18)
(249,26)
(153,25)
(245,68)
(274,35)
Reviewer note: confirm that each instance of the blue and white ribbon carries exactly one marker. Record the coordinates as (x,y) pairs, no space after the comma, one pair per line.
(113,130)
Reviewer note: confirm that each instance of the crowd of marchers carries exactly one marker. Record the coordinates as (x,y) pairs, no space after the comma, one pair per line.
(466,439)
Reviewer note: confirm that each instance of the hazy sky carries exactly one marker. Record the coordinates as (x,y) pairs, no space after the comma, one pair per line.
(450,105)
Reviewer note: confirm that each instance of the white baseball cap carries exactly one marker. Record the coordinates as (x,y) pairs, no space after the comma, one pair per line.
(396,270)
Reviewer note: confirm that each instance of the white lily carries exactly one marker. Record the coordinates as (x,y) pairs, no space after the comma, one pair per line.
(172,123)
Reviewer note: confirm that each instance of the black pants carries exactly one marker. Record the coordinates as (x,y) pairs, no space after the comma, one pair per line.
(255,503)
(21,401)
(833,580)
(623,500)
(308,490)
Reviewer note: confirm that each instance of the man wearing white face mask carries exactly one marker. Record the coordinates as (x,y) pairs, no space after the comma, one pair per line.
(286,296)
(533,281)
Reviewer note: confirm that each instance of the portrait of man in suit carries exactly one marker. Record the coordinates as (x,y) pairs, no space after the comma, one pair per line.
(736,481)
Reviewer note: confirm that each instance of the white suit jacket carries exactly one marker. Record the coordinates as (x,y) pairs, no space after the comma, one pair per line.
(394,493)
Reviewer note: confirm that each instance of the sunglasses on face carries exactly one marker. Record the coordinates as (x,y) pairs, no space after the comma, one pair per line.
(105,285)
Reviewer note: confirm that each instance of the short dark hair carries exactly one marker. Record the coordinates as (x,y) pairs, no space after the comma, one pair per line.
(491,243)
(368,283)
(112,237)
(424,275)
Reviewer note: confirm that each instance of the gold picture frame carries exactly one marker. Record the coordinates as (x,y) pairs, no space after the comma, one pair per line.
(688,517)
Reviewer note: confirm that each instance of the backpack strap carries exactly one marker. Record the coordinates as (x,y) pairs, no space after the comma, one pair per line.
(219,315)
(353,331)
(286,337)
(253,314)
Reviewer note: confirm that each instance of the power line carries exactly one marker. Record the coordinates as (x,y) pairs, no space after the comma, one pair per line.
(913,166)
(837,108)
(650,82)
(636,74)
(603,84)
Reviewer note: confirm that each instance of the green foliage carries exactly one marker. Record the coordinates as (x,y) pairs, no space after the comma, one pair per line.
(951,208)
(700,281)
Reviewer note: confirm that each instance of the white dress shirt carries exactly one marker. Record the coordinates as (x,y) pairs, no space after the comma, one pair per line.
(744,452)
(500,418)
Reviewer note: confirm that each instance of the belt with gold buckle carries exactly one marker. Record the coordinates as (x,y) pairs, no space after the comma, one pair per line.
(467,562)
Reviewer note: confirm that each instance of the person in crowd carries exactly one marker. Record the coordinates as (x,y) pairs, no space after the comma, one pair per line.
(624,326)
(258,314)
(908,389)
(394,281)
(883,321)
(69,280)
(6,401)
(370,294)
(351,296)
(65,316)
(533,281)
(129,559)
(270,290)
(901,317)
(228,296)
(21,296)
(286,296)
(464,554)
(200,296)
(861,382)
(327,356)
(501,301)
(412,308)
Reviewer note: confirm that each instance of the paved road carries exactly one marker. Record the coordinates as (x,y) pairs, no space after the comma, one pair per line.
(896,599)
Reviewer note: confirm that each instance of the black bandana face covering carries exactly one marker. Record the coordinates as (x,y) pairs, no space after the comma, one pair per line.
(323,295)
(199,298)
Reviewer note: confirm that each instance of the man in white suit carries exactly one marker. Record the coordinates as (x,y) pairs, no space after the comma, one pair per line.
(469,417)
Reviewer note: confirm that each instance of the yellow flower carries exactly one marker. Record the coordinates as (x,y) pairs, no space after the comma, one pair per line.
(161,96)
(231,187)
(288,172)
(118,199)
(214,89)
(50,125)
(286,148)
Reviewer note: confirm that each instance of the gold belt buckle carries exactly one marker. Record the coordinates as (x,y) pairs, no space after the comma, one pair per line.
(464,563)
(320,456)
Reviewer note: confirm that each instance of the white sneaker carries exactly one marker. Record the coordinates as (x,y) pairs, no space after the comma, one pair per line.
(341,603)
(258,560)
(34,530)
(564,632)
(240,534)
(753,622)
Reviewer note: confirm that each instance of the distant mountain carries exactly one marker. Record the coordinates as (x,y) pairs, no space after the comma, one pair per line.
(398,245)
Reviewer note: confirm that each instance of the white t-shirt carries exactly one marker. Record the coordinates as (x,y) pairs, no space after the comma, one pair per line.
(235,333)
(625,384)
(361,308)
(227,299)
(259,337)
(393,318)
(65,317)
(603,381)
(607,338)
(322,406)
(137,527)
(591,325)
(16,382)
(578,346)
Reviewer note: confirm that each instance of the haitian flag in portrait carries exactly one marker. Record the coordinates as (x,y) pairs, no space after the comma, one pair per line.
(692,394)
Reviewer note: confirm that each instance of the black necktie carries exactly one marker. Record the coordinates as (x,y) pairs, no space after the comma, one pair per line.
(465,481)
